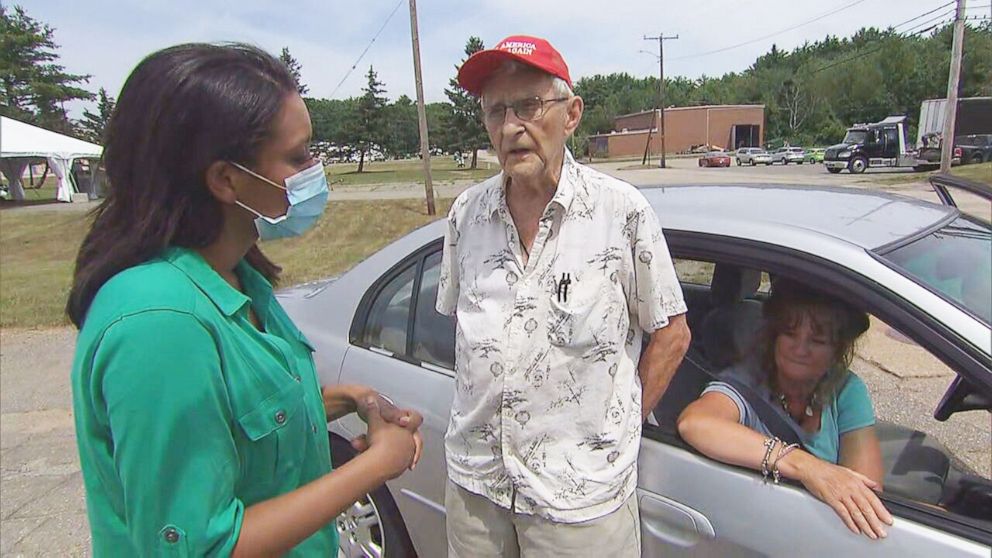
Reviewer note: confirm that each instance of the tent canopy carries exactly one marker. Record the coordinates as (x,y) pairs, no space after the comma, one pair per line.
(20,142)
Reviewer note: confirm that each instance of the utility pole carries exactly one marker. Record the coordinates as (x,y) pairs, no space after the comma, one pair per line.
(425,149)
(661,38)
(951,109)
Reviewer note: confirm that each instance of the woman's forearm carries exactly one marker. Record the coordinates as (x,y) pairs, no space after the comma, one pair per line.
(273,527)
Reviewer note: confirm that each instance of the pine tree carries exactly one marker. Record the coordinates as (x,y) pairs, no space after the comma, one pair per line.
(294,67)
(33,86)
(94,125)
(371,116)
(465,119)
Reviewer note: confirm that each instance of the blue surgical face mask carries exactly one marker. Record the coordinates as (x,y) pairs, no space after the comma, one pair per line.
(307,192)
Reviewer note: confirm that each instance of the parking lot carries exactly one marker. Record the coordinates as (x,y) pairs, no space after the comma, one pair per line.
(43,510)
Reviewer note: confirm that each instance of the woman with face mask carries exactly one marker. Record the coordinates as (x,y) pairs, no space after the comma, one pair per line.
(200,421)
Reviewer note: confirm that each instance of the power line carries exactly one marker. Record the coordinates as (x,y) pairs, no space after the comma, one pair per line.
(938,8)
(874,50)
(362,55)
(798,25)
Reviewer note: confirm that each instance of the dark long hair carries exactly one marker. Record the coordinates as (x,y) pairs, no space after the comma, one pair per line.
(181,109)
(789,303)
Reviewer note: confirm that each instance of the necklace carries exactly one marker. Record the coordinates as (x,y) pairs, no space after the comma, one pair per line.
(809,406)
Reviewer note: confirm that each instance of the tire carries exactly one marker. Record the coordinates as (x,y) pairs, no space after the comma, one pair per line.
(753,163)
(738,162)
(857,165)
(374,522)
(833,171)
(976,159)
(785,161)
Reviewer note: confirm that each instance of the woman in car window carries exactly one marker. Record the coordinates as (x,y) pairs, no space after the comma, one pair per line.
(801,367)
(199,418)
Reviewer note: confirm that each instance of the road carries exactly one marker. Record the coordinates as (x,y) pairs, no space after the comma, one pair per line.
(43,511)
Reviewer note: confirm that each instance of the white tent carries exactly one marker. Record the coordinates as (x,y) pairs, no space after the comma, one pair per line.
(20,143)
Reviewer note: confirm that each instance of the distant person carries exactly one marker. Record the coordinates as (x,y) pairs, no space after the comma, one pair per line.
(555,272)
(200,421)
(801,365)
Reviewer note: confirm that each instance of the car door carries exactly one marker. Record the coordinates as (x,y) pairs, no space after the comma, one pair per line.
(404,349)
(694,506)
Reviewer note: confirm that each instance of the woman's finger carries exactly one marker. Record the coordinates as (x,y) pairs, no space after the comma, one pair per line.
(360,443)
(859,518)
(869,513)
(418,442)
(880,509)
(844,514)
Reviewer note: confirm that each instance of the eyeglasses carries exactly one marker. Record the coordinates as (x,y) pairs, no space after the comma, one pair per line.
(531,108)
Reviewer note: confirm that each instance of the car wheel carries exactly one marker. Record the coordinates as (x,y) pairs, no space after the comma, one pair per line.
(833,171)
(372,526)
(753,163)
(857,165)
(976,159)
(738,162)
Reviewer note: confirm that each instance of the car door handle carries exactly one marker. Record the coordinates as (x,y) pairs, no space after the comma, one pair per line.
(673,523)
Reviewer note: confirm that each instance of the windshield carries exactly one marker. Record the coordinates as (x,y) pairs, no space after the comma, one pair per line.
(855,136)
(955,261)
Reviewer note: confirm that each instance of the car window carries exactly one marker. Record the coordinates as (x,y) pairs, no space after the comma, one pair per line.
(433,332)
(693,271)
(955,261)
(389,315)
(941,464)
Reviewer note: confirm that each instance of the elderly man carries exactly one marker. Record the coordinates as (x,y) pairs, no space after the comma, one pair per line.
(555,272)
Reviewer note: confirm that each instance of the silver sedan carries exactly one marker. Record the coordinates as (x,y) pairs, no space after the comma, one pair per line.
(909,263)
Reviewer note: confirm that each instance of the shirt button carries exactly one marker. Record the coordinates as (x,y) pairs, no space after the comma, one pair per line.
(297,378)
(171,535)
(280,417)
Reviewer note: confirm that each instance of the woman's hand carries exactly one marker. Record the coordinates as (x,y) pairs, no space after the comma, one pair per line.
(394,446)
(849,493)
(407,418)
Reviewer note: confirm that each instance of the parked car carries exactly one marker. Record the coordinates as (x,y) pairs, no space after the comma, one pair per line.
(975,148)
(715,159)
(753,156)
(919,267)
(786,155)
(814,155)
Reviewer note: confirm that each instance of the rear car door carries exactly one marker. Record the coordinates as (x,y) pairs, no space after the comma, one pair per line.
(402,347)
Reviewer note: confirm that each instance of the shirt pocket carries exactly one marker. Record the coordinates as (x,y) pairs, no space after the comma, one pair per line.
(276,428)
(580,320)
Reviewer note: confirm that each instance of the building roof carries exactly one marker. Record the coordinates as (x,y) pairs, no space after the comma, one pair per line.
(697,107)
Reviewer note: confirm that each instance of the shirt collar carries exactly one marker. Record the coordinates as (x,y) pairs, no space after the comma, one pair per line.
(228,299)
(564,192)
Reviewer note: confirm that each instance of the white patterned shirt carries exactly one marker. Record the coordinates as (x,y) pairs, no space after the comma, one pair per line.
(546,418)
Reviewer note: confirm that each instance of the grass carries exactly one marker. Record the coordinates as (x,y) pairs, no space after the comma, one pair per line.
(38,250)
(978,173)
(443,169)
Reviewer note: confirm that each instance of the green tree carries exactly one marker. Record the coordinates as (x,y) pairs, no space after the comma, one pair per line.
(33,86)
(294,67)
(402,137)
(94,125)
(466,131)
(368,129)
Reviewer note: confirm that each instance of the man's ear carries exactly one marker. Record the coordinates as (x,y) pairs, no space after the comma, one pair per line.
(221,178)
(573,114)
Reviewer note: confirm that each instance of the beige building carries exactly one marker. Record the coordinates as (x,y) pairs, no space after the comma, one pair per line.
(723,126)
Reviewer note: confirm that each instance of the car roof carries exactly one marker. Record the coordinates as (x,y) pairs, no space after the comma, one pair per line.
(868,219)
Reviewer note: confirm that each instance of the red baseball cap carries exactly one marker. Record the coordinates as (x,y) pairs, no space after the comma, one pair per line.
(532,51)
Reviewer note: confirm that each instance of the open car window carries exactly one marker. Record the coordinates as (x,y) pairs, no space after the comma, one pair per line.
(941,466)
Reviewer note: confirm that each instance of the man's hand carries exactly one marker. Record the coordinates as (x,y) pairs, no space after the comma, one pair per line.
(660,360)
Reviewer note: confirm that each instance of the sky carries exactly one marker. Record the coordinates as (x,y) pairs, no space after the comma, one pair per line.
(107,38)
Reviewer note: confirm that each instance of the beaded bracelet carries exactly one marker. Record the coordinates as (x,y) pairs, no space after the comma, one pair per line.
(782,452)
(769,446)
